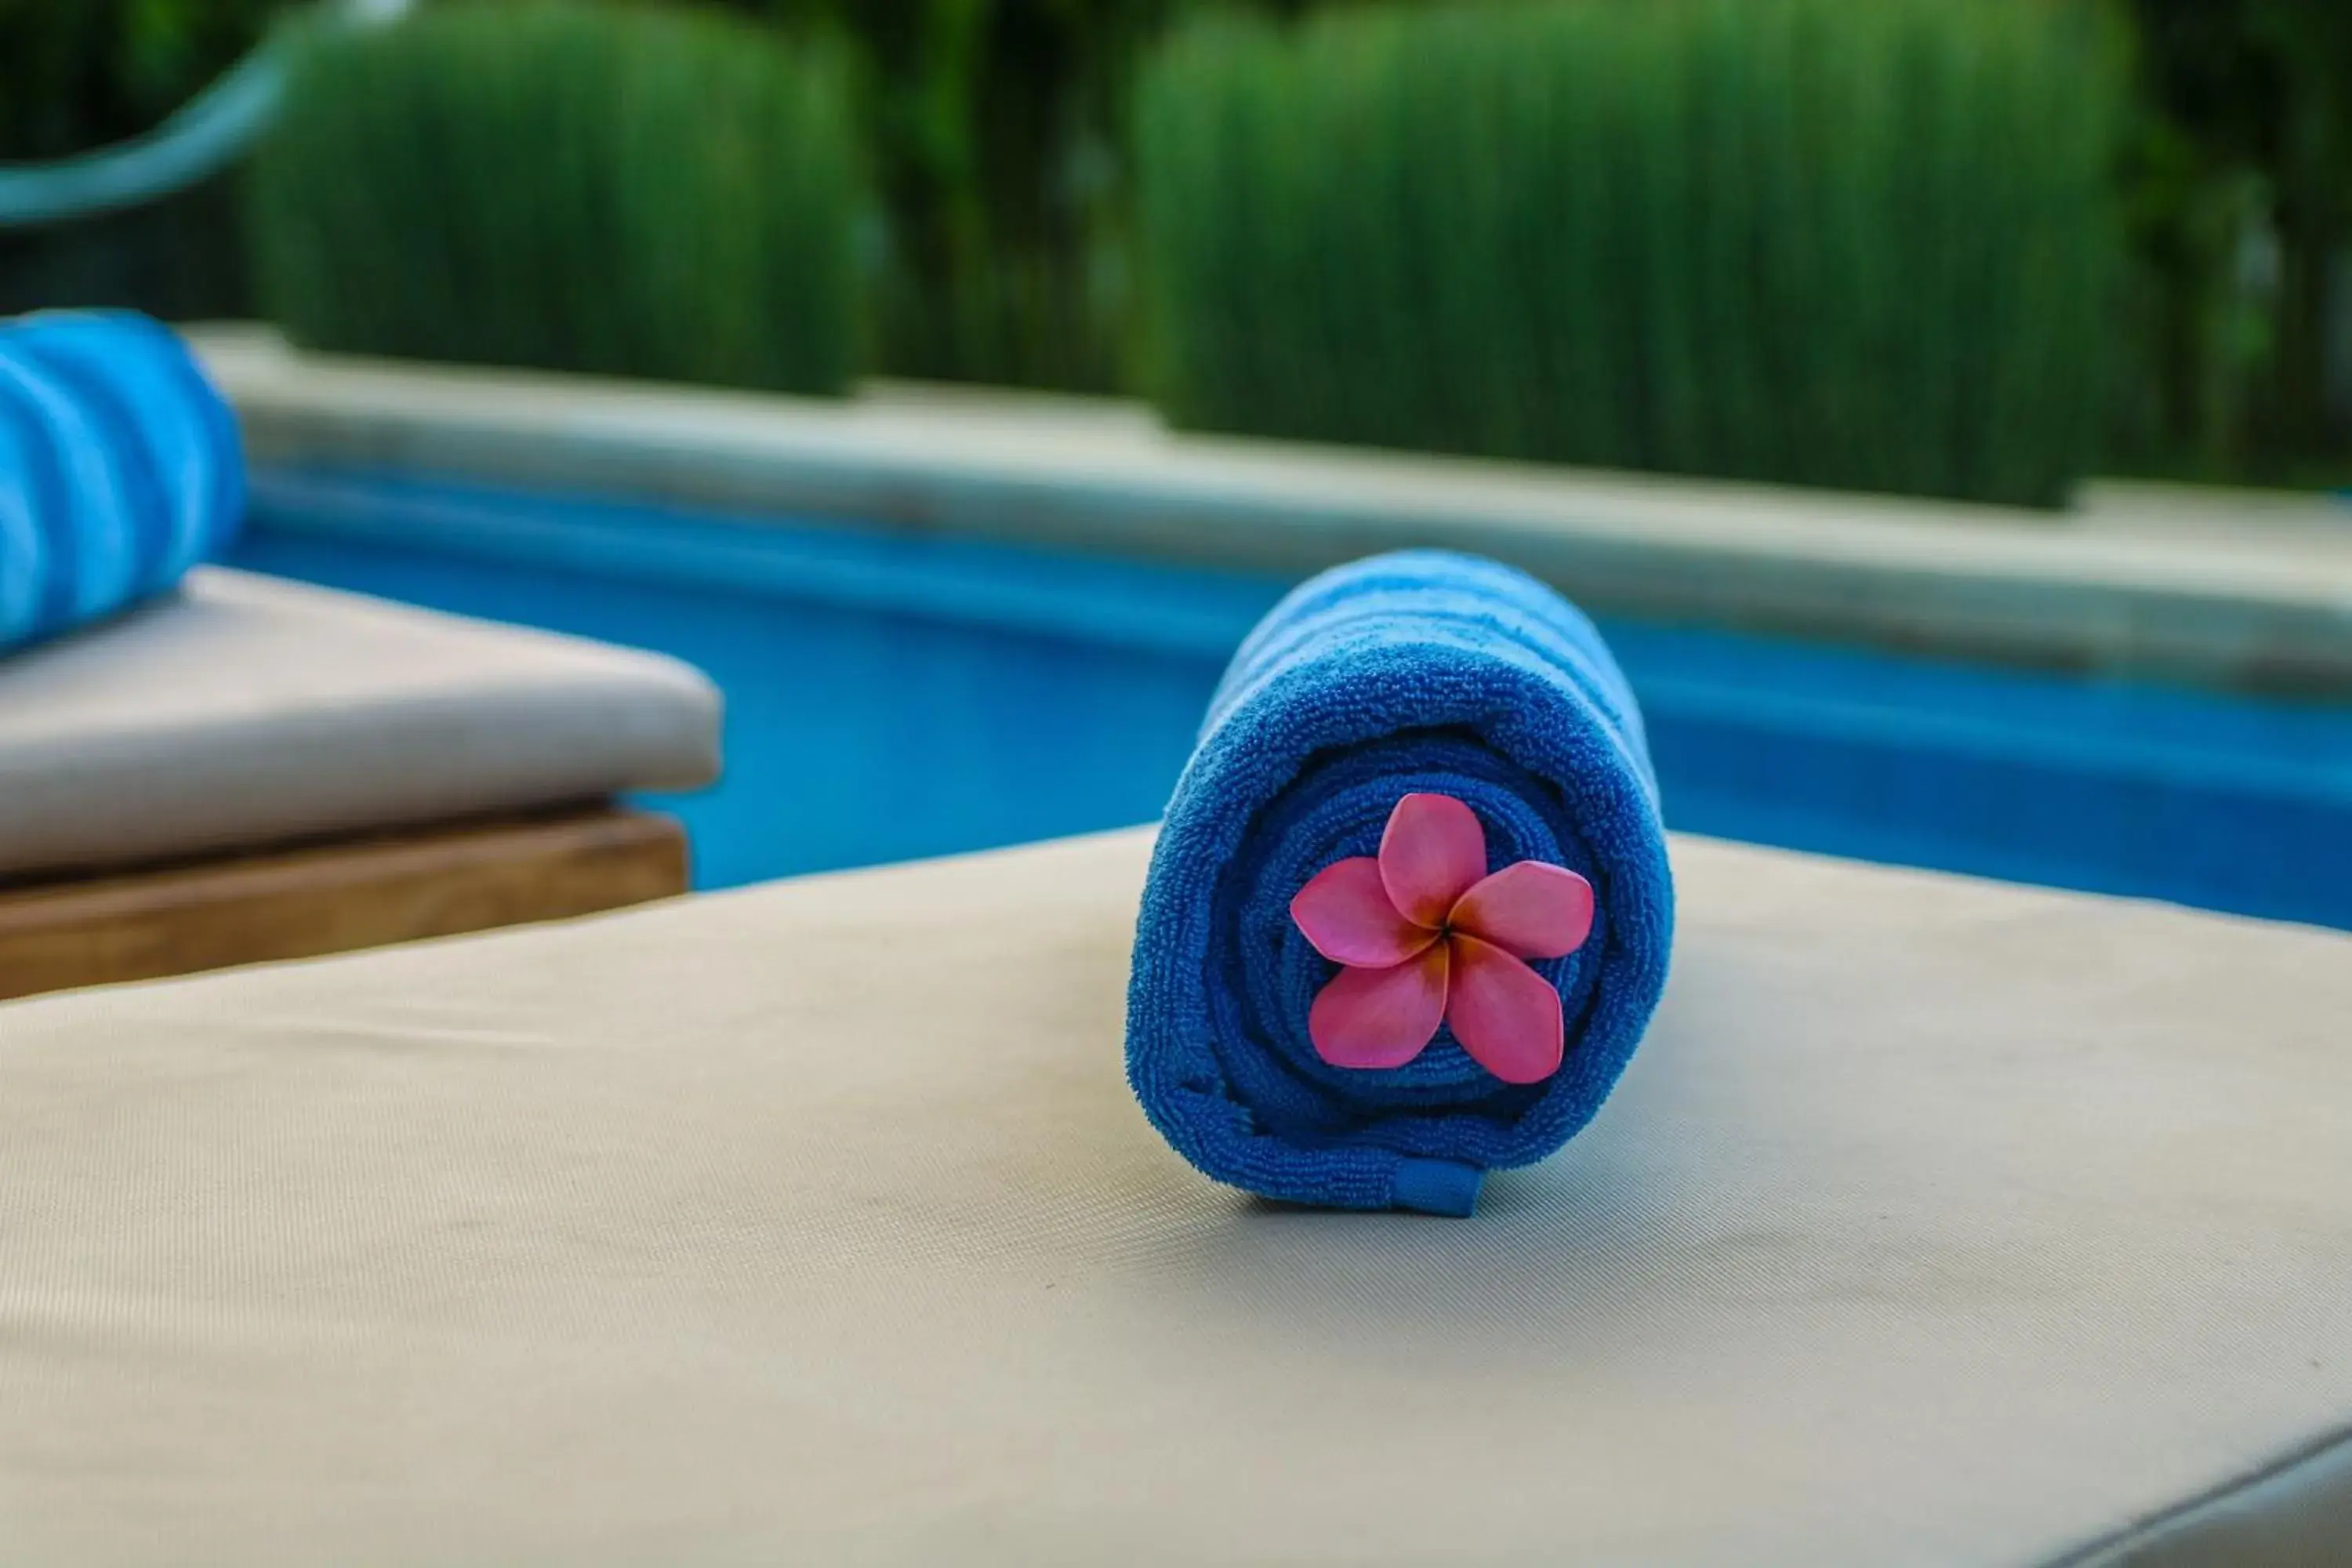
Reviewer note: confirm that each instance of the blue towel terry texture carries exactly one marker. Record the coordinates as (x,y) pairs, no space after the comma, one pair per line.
(1417,671)
(120,469)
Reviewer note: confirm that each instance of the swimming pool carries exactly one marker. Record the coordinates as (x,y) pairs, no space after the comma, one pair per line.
(895,694)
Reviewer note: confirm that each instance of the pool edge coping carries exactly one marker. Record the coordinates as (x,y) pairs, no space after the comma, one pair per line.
(2230,599)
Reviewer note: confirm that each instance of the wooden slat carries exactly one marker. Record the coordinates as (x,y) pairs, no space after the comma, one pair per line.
(333,898)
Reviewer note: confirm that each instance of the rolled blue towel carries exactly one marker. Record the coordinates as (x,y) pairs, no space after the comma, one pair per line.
(120,469)
(1417,673)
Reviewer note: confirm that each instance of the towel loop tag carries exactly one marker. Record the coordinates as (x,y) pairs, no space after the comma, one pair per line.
(1436,1187)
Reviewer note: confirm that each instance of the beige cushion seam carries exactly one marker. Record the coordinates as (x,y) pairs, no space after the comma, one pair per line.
(2117,1547)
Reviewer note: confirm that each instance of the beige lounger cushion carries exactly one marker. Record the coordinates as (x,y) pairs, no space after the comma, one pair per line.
(249,710)
(1937,1222)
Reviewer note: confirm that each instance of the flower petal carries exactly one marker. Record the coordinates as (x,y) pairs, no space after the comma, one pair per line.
(1431,851)
(1380,1018)
(1344,910)
(1505,1015)
(1529,909)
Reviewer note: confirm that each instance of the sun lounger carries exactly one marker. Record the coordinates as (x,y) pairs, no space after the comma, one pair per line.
(255,769)
(1936,1221)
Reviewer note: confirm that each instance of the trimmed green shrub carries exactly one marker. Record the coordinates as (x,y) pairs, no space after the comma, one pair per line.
(658,193)
(1859,243)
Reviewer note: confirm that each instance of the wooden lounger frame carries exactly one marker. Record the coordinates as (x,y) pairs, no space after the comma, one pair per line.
(301,903)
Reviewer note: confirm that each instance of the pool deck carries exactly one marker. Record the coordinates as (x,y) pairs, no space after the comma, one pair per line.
(2230,589)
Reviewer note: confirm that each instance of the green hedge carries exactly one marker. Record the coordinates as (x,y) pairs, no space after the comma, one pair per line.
(640,193)
(1861,243)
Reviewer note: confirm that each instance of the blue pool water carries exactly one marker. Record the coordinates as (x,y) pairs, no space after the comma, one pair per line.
(892,695)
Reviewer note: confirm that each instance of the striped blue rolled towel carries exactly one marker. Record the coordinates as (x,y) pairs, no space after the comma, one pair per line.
(120,469)
(1418,674)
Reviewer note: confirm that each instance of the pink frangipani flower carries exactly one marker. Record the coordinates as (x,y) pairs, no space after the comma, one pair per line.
(1426,936)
